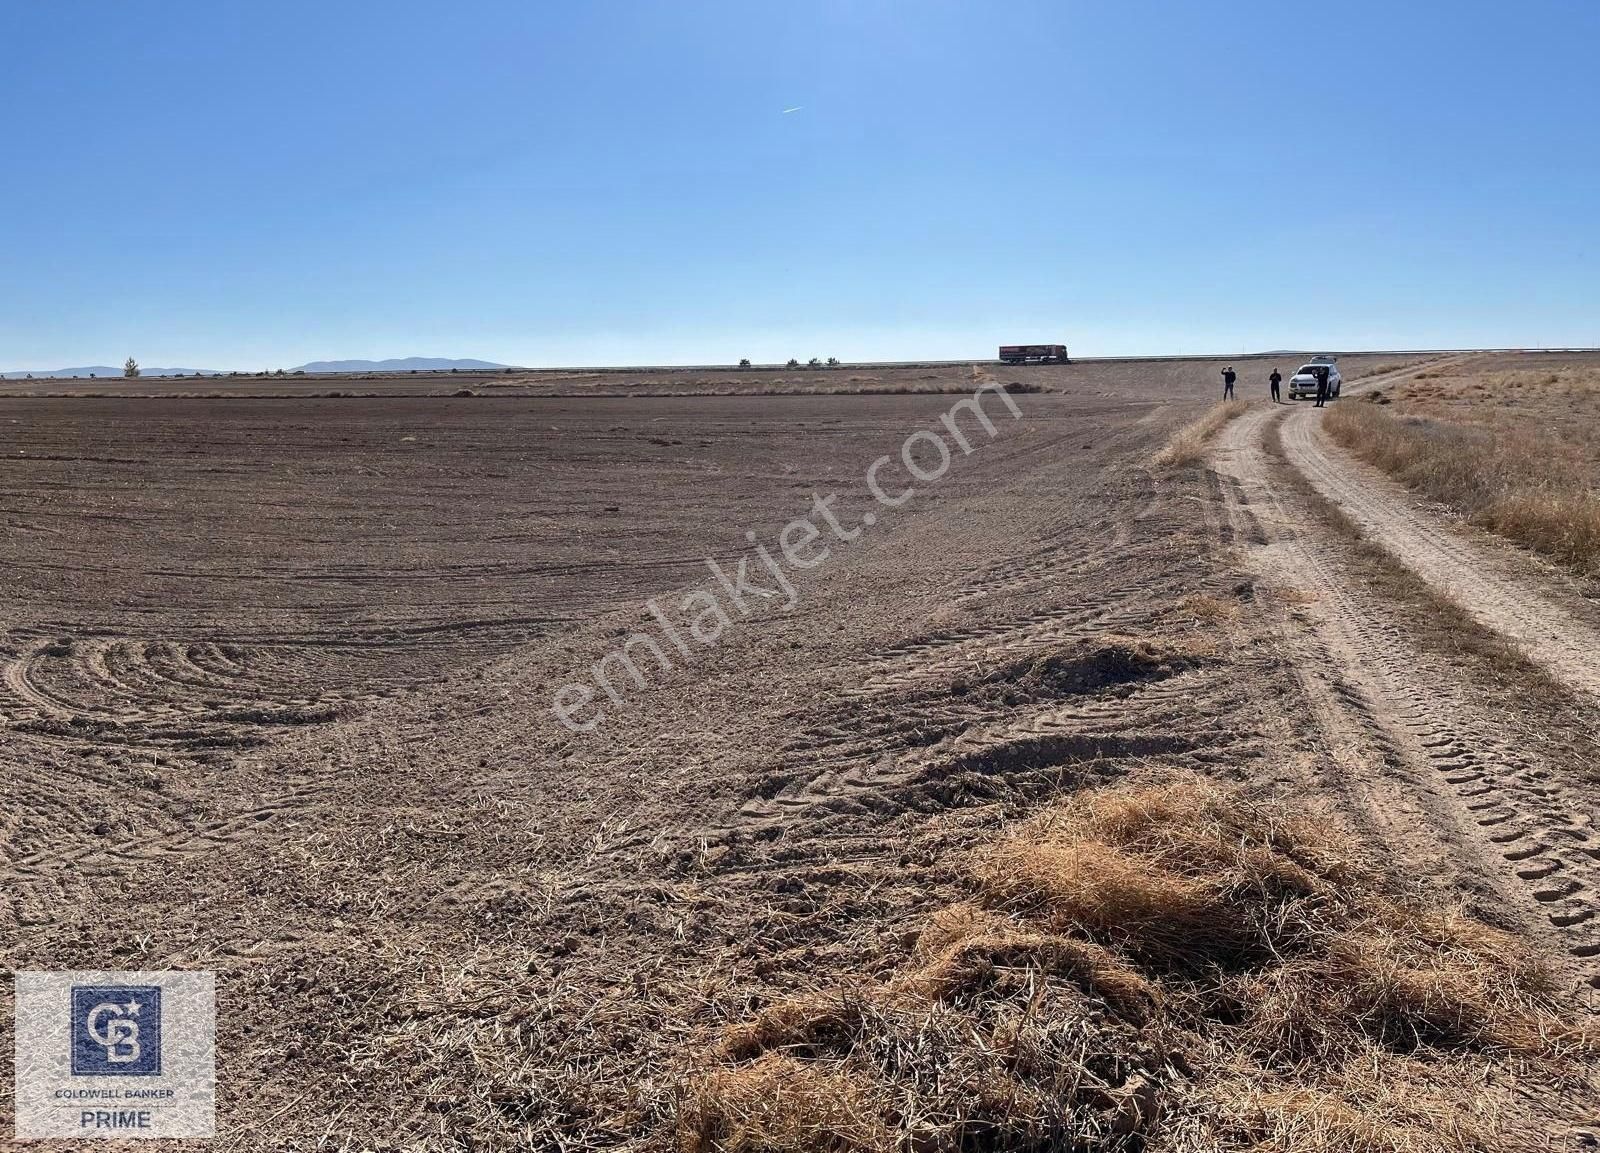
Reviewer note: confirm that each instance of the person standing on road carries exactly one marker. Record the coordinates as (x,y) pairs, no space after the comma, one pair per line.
(1276,379)
(1322,387)
(1228,377)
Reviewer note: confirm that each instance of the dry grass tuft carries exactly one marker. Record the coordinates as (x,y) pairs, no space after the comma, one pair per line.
(1111,665)
(1188,445)
(812,1026)
(1447,979)
(1163,968)
(1373,1104)
(1105,664)
(984,1045)
(1177,876)
(1562,524)
(1209,608)
(1290,595)
(780,1105)
(967,952)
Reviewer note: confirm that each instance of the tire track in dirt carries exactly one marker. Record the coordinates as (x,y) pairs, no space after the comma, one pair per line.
(889,767)
(936,722)
(1402,722)
(1121,544)
(83,688)
(150,828)
(1510,593)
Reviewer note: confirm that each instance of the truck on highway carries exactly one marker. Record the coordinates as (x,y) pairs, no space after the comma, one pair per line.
(1303,383)
(1043,353)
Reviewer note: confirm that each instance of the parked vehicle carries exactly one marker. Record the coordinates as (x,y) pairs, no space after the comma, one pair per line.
(1043,353)
(1303,384)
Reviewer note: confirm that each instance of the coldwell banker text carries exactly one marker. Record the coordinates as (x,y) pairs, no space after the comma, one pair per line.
(704,614)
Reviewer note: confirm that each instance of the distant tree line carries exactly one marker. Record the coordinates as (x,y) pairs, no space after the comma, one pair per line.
(831,362)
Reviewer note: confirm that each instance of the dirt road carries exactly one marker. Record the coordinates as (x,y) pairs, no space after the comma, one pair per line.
(1453,772)
(1507,590)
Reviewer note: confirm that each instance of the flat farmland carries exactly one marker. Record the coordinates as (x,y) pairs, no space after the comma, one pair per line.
(278,688)
(173,560)
(176,565)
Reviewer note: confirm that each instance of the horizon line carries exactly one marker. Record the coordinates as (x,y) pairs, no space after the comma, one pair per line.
(12,374)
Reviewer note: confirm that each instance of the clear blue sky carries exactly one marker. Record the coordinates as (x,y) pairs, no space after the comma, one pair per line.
(240,184)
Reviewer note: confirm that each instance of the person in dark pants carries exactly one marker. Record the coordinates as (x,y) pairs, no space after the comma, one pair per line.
(1228,377)
(1276,378)
(1322,387)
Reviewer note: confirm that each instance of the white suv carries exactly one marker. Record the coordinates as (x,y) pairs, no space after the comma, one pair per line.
(1304,381)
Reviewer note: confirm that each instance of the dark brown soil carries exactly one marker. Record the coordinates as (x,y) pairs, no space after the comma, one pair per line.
(277,690)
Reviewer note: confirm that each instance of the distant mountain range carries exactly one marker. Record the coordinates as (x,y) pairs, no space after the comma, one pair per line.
(406,364)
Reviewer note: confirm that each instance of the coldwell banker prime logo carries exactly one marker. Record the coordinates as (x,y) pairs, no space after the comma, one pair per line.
(115,1055)
(116,1030)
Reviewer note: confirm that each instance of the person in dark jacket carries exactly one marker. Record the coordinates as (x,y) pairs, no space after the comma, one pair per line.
(1276,379)
(1322,387)
(1228,377)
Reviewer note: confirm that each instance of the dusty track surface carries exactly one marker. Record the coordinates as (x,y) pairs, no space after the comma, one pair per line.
(1450,768)
(1507,590)
(277,678)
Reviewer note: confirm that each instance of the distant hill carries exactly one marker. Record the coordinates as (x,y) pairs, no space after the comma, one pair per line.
(103,370)
(406,364)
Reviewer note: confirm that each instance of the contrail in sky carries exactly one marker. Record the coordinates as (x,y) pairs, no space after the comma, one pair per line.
(796,108)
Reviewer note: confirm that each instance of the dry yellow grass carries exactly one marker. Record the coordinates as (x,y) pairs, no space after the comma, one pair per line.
(1188,444)
(965,948)
(1524,477)
(1211,609)
(1176,877)
(1171,969)
(779,1103)
(1374,1103)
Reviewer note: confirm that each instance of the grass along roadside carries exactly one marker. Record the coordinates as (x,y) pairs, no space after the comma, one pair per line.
(1510,480)
(1188,444)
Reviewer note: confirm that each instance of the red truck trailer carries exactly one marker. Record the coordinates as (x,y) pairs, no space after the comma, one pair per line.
(1043,353)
